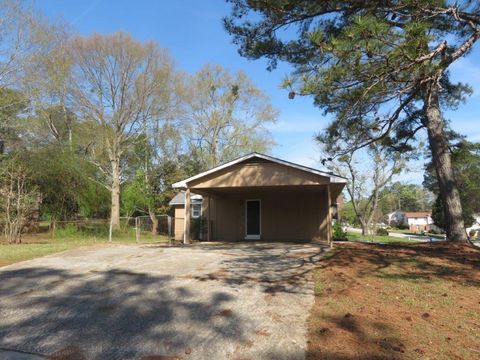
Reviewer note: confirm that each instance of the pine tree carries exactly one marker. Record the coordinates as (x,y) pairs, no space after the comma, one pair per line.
(380,67)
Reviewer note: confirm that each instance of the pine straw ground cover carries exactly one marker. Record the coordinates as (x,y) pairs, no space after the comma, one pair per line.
(418,301)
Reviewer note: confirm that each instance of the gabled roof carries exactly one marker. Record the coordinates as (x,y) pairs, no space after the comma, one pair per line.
(419,214)
(179,199)
(333,178)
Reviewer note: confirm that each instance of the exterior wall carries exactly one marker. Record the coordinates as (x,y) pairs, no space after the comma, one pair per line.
(294,204)
(420,224)
(285,216)
(475,228)
(258,174)
(179,221)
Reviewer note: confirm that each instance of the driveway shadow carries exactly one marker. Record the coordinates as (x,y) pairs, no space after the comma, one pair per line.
(114,314)
(201,302)
(275,267)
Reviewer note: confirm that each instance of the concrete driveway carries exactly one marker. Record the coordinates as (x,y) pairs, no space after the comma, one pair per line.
(207,301)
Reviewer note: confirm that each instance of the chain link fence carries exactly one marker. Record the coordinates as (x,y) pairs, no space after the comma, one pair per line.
(148,227)
(140,229)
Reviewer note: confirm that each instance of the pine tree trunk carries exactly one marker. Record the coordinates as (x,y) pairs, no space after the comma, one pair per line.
(443,165)
(115,192)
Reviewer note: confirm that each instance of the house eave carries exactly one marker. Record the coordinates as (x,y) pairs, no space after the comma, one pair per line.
(334,179)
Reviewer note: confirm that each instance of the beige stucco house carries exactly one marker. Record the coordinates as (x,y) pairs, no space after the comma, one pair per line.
(258,197)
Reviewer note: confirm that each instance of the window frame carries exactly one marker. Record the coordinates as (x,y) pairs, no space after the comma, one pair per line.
(194,206)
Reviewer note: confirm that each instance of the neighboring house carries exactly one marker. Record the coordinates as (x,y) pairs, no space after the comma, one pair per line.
(396,219)
(420,221)
(415,221)
(258,197)
(475,228)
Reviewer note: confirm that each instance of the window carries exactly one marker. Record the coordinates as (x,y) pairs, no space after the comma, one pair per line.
(196,210)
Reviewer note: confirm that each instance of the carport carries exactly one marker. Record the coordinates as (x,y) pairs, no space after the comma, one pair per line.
(259,197)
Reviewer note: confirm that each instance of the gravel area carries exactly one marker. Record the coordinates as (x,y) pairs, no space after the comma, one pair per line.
(205,301)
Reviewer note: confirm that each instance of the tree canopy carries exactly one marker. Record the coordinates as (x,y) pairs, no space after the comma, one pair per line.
(379,67)
(405,197)
(226,115)
(102,125)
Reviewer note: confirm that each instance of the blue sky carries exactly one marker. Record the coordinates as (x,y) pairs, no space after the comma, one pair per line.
(192,31)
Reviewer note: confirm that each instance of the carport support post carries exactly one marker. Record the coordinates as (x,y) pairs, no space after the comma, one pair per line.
(209,225)
(329,217)
(186,232)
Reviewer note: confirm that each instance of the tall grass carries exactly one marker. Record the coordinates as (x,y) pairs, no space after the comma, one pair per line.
(89,230)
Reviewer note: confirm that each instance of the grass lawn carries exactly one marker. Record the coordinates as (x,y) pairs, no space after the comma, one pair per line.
(352,236)
(409,301)
(35,245)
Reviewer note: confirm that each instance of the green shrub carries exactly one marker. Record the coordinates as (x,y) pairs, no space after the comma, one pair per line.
(338,233)
(68,231)
(198,228)
(382,232)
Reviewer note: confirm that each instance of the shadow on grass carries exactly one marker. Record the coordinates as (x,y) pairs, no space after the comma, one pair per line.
(347,280)
(411,261)
(355,331)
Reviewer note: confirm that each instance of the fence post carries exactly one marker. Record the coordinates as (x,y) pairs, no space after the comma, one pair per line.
(169,222)
(329,217)
(137,230)
(187,217)
(54,227)
(110,231)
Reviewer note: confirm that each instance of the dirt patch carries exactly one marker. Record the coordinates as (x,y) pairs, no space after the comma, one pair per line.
(396,302)
(24,293)
(276,317)
(225,313)
(68,353)
(107,307)
(269,298)
(262,332)
(217,275)
(56,282)
(246,344)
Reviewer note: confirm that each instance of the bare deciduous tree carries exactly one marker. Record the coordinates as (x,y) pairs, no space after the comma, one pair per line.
(367,180)
(116,82)
(46,80)
(16,22)
(227,116)
(17,201)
